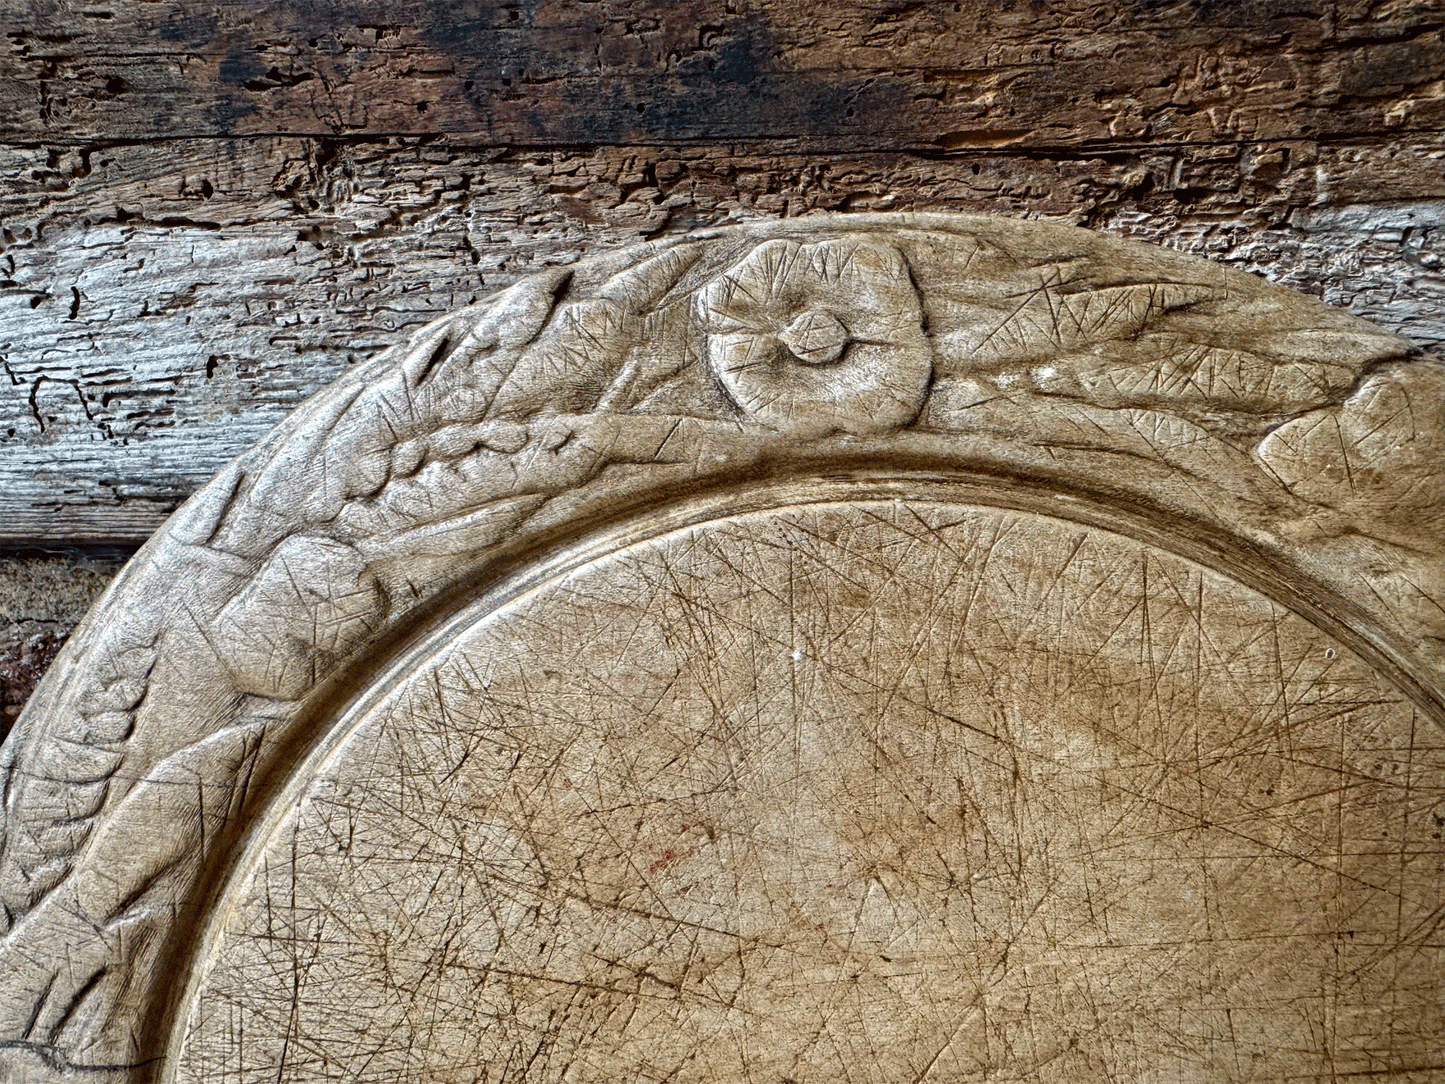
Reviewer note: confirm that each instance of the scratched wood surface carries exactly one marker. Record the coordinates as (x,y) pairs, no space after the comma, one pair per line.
(894,646)
(871,791)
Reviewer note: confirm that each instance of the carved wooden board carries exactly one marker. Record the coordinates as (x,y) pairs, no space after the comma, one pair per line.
(896,648)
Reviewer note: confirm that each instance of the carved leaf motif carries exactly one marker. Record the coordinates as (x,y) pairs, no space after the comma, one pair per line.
(1198,349)
(310,606)
(1362,455)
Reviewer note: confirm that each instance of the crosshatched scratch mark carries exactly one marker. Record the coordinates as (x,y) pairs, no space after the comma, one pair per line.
(864,791)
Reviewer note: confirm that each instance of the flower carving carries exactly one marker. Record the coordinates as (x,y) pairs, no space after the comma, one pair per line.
(818,338)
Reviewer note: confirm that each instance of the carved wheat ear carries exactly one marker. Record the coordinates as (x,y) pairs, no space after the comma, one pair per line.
(1267,435)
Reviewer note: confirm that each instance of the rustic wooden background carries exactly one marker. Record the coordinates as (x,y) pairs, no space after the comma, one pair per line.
(209,208)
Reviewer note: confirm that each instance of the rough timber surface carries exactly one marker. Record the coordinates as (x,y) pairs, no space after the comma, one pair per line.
(931,76)
(210,210)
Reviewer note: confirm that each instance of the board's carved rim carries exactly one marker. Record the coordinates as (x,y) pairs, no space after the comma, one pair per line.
(212,536)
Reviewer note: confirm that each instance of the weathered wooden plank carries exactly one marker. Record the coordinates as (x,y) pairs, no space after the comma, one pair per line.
(879,75)
(163,305)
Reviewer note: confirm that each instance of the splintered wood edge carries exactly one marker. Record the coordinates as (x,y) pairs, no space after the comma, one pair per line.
(1286,444)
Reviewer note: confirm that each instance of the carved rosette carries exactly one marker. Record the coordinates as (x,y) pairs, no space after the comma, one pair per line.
(815,338)
(1264,437)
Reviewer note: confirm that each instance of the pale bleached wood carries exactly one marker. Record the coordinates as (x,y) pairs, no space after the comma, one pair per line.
(167,303)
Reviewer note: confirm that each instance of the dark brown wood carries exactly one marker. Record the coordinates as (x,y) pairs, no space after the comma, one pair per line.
(41,599)
(923,76)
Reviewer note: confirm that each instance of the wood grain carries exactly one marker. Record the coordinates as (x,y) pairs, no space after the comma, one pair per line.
(910,75)
(876,791)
